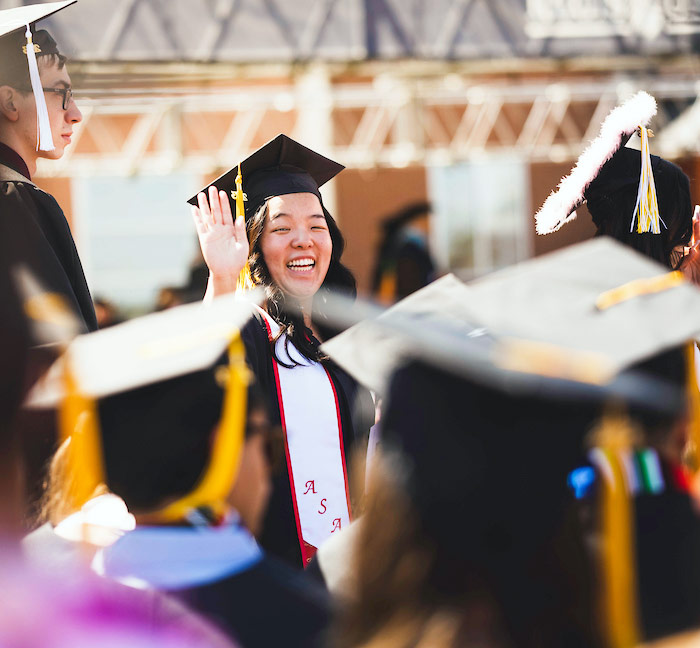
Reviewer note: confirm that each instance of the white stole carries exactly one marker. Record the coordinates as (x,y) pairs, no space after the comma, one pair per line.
(314,444)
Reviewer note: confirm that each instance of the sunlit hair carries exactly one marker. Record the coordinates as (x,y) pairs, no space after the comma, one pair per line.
(56,504)
(283,310)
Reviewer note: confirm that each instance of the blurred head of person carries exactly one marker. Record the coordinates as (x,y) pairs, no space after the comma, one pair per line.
(156,447)
(667,433)
(469,535)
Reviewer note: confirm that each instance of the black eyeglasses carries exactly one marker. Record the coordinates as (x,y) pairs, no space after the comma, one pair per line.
(66,93)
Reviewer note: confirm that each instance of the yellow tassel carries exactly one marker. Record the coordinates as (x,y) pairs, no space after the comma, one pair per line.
(220,475)
(693,409)
(638,288)
(646,210)
(78,422)
(618,551)
(245,281)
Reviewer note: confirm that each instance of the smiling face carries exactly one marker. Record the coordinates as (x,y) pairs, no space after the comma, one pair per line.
(296,245)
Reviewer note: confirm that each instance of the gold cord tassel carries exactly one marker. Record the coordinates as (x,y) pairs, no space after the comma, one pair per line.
(618,551)
(646,210)
(220,476)
(693,396)
(245,281)
(78,422)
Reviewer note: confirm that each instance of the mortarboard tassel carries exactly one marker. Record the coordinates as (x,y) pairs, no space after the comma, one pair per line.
(44,137)
(78,422)
(212,491)
(646,210)
(619,599)
(693,396)
(245,281)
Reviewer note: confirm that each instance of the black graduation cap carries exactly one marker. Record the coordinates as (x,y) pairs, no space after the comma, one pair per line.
(140,400)
(19,48)
(486,429)
(584,313)
(607,157)
(437,326)
(488,425)
(280,167)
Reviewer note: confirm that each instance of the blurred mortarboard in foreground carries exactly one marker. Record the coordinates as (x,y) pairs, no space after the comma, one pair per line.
(435,326)
(356,347)
(598,296)
(280,167)
(19,48)
(488,429)
(149,393)
(51,323)
(605,167)
(51,320)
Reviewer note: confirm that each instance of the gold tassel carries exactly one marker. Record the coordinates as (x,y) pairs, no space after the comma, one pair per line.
(639,287)
(646,210)
(78,422)
(245,281)
(618,551)
(693,396)
(220,476)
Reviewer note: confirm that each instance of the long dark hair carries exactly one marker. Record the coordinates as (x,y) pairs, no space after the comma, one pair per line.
(284,310)
(612,213)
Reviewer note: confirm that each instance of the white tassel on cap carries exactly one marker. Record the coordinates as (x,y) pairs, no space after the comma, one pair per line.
(44,137)
(646,210)
(560,207)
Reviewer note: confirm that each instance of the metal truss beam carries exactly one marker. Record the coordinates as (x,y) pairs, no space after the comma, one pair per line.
(389,122)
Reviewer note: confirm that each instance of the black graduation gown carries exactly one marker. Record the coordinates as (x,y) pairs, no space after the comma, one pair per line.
(34,226)
(668,560)
(279,533)
(269,604)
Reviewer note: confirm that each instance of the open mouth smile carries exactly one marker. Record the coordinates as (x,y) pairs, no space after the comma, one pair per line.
(302,265)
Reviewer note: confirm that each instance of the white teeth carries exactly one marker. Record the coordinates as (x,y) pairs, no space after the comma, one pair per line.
(301,263)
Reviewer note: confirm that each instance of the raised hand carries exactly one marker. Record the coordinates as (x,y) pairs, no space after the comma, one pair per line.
(224,242)
(691,263)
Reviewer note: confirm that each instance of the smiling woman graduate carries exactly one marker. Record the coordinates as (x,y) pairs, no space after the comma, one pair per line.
(292,249)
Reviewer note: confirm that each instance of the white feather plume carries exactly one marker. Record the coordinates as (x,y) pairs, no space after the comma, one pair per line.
(622,121)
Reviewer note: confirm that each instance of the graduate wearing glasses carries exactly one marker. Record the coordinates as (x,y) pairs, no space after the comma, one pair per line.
(37,117)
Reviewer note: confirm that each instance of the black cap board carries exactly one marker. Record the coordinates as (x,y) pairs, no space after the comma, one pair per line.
(155,387)
(584,313)
(615,132)
(381,342)
(280,167)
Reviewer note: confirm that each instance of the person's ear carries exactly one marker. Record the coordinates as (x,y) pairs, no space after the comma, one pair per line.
(8,103)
